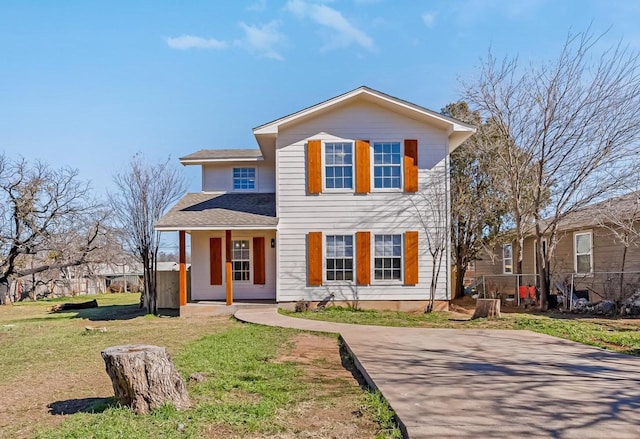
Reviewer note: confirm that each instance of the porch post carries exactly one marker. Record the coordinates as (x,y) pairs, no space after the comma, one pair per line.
(182,288)
(229,274)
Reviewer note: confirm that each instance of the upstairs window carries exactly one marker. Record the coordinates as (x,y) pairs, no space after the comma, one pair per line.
(244,179)
(388,257)
(339,262)
(583,252)
(338,165)
(387,165)
(507,259)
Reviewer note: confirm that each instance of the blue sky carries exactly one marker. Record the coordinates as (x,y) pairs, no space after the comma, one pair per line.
(90,83)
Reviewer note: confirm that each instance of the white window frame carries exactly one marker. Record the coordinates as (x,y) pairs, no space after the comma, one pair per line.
(324,166)
(504,260)
(373,166)
(575,251)
(353,258)
(373,261)
(233,179)
(233,260)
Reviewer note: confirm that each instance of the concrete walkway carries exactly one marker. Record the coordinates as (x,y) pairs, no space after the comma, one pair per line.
(446,383)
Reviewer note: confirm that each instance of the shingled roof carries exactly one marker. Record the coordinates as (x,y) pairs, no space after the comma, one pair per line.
(221,211)
(625,207)
(212,155)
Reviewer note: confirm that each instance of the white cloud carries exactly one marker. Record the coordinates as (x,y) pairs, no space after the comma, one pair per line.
(186,42)
(429,18)
(343,32)
(262,40)
(257,6)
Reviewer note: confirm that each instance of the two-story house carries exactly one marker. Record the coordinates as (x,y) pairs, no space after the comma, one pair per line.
(326,206)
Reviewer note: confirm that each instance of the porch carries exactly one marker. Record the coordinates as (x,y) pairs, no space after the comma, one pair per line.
(220,307)
(233,255)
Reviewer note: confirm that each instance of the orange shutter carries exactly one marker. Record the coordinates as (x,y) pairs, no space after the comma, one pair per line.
(363,258)
(258,261)
(363,167)
(314,258)
(410,165)
(411,258)
(215,260)
(314,166)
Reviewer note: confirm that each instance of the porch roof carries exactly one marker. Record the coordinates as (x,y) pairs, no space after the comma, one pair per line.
(222,155)
(220,210)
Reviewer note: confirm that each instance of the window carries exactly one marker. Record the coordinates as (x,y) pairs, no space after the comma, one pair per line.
(339,262)
(240,259)
(387,165)
(388,257)
(244,178)
(583,253)
(507,259)
(338,165)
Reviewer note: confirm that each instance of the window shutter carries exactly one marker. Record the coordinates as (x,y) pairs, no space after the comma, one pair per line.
(314,166)
(410,165)
(363,258)
(258,261)
(314,258)
(363,167)
(411,258)
(215,260)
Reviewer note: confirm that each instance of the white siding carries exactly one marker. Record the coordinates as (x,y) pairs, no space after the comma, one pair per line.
(200,276)
(219,177)
(346,213)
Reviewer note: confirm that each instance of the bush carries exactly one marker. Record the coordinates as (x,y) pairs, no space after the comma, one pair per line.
(302,305)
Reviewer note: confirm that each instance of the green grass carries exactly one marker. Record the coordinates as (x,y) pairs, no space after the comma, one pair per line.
(385,416)
(244,391)
(248,391)
(615,334)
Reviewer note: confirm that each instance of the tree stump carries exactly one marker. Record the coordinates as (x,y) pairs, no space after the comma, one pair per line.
(489,308)
(144,378)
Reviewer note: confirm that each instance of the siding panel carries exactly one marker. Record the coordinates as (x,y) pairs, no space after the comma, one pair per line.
(377,212)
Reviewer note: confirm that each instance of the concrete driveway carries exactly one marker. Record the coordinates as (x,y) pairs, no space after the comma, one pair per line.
(446,383)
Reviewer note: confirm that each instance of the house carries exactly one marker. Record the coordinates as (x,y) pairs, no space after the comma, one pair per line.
(324,209)
(589,253)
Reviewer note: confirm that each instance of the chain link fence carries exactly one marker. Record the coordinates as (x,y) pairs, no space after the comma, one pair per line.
(597,293)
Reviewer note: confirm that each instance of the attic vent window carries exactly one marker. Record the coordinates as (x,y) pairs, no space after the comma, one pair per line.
(244,179)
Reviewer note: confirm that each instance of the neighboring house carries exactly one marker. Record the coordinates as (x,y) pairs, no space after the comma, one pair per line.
(587,250)
(323,209)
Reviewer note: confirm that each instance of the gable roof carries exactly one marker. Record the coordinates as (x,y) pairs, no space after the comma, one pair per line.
(220,155)
(220,211)
(458,130)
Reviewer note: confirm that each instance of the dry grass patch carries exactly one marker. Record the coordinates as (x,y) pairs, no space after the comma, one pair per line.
(335,409)
(50,359)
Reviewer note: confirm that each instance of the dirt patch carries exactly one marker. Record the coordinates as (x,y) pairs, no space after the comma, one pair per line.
(334,409)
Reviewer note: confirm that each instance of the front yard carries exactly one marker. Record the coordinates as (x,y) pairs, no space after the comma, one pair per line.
(261,381)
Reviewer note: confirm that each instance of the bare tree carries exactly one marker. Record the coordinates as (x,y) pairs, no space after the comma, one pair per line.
(621,216)
(144,192)
(431,205)
(575,119)
(477,201)
(48,220)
